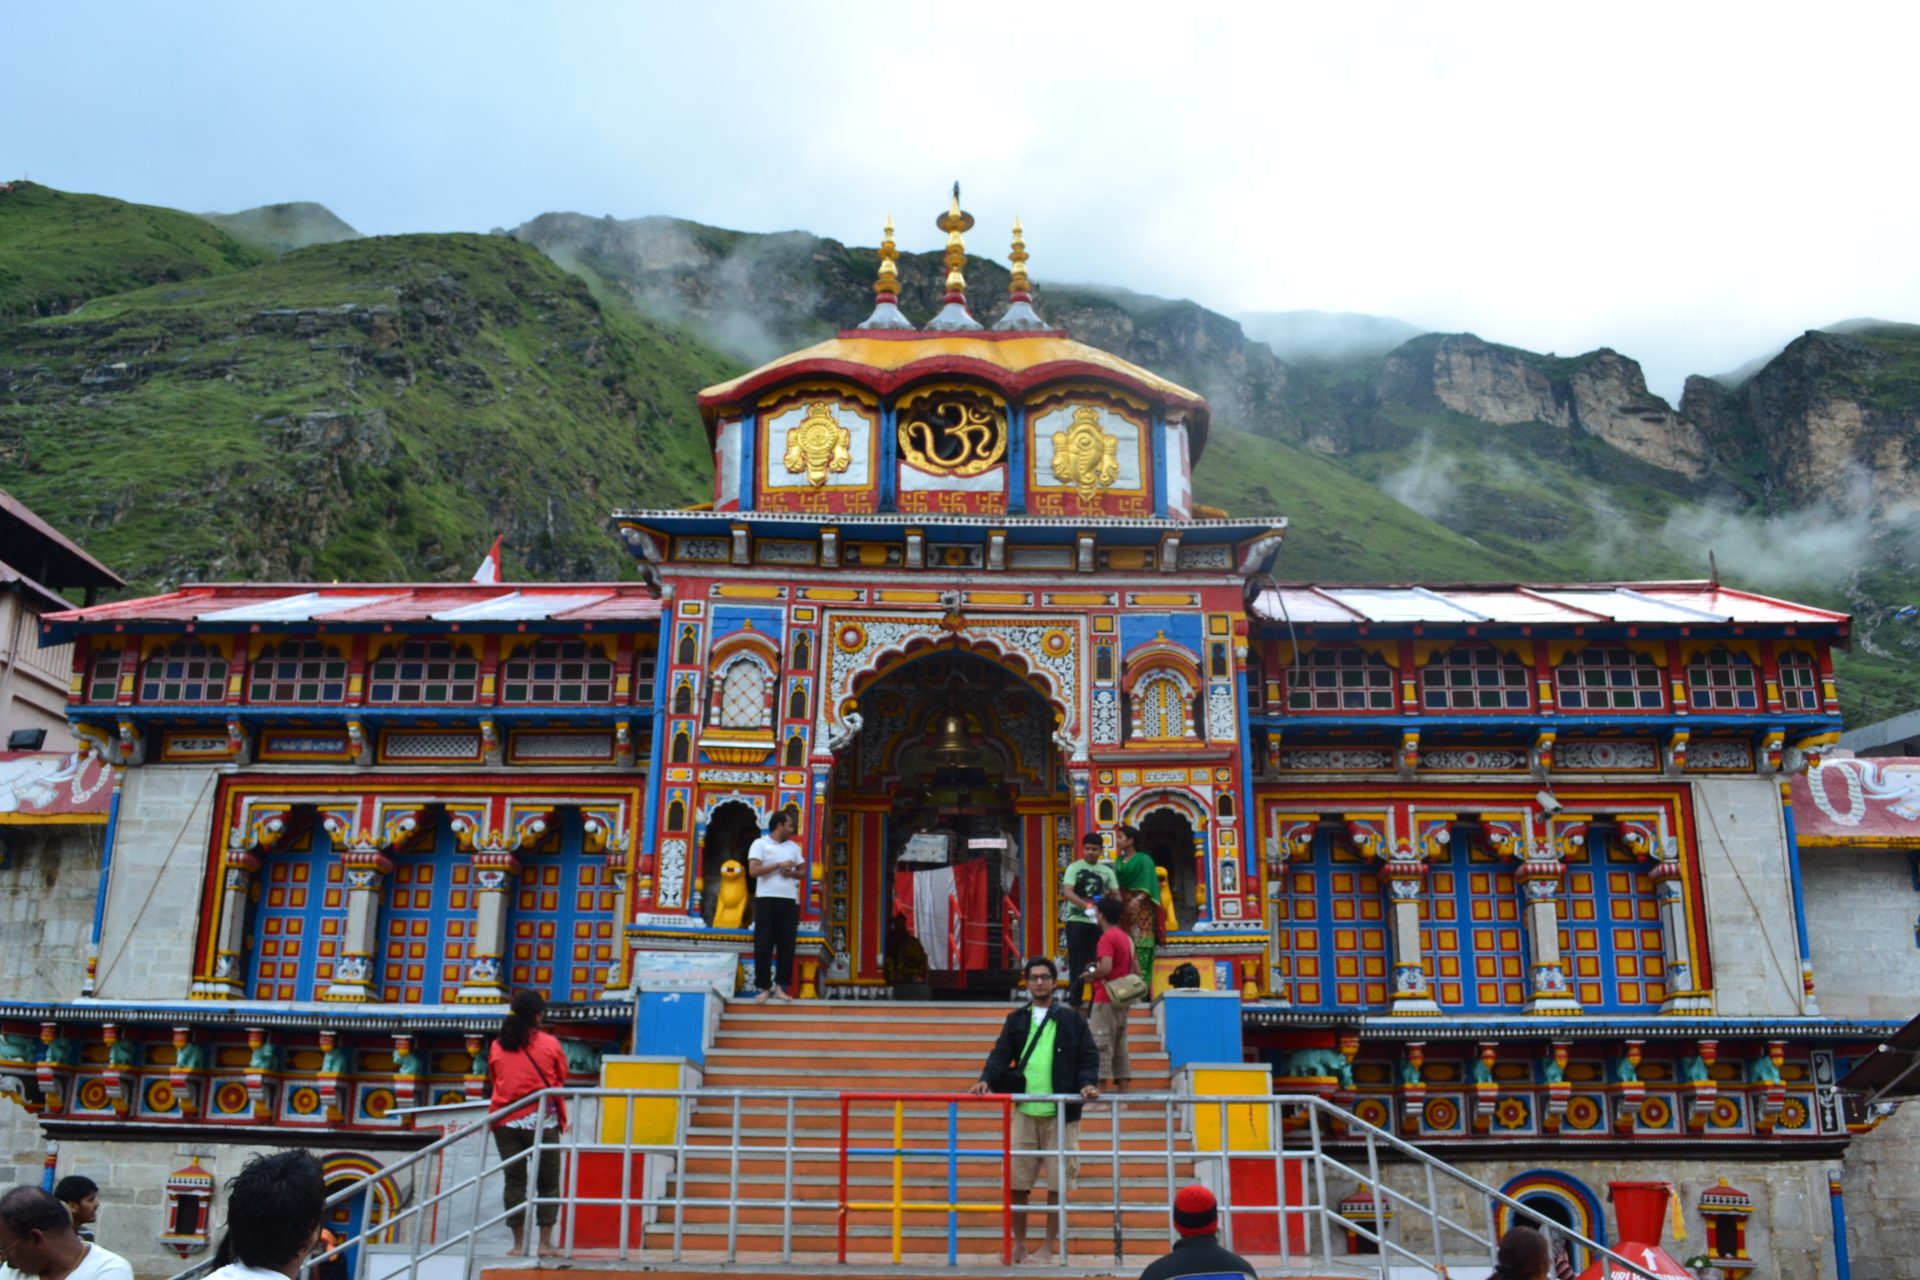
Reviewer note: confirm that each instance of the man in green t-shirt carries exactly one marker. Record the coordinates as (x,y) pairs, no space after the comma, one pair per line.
(1060,1058)
(1139,881)
(1088,879)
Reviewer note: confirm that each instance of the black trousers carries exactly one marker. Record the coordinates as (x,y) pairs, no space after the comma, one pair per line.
(775,922)
(1083,940)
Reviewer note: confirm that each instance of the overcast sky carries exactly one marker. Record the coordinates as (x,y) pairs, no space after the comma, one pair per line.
(1692,186)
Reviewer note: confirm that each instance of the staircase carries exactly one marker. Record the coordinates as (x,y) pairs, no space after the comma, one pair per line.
(902,1047)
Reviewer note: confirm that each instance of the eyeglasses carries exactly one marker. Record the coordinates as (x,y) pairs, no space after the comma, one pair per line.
(1040,977)
(6,1251)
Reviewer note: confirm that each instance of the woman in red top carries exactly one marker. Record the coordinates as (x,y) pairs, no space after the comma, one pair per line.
(524,1059)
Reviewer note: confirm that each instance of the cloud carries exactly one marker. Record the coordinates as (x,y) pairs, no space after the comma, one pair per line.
(1426,484)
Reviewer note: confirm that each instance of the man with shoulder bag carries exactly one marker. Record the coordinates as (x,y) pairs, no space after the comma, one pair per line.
(1117,987)
(1044,1048)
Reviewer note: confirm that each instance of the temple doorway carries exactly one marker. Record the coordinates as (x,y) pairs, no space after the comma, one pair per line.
(730,831)
(1168,836)
(944,813)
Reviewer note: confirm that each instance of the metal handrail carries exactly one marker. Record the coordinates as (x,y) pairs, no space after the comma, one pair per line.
(1288,1115)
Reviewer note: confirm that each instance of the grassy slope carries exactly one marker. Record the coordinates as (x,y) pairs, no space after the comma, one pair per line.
(58,249)
(474,387)
(1340,527)
(282,228)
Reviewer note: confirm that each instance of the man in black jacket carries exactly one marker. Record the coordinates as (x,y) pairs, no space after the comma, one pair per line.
(1063,1059)
(1196,1218)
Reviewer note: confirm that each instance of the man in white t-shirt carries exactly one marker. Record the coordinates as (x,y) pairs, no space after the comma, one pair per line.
(276,1205)
(778,865)
(38,1242)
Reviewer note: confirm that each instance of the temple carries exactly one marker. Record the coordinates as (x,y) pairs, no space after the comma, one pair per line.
(1511,870)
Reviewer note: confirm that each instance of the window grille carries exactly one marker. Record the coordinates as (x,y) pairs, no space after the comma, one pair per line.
(1799,681)
(1608,678)
(425,671)
(1341,678)
(557,671)
(1474,677)
(299,671)
(1721,680)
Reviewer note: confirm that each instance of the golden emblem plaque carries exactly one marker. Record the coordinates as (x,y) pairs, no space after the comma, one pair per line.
(819,446)
(1086,456)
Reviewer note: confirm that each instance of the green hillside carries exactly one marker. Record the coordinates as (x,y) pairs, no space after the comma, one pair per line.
(282,228)
(57,249)
(372,410)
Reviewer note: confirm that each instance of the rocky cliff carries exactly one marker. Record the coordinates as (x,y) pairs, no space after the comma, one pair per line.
(1602,394)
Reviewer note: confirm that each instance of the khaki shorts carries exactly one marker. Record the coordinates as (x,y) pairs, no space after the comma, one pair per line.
(1037,1133)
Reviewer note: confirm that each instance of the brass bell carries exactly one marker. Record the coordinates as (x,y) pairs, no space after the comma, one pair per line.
(955,745)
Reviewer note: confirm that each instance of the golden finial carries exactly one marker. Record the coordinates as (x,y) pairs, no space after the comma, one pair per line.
(887,286)
(954,222)
(1017,286)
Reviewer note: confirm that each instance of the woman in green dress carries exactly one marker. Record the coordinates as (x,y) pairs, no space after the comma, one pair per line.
(1140,890)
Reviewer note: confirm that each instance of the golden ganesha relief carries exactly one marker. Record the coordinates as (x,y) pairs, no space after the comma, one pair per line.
(819,446)
(1086,456)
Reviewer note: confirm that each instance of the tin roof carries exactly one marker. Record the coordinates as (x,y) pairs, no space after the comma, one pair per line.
(362,604)
(1556,604)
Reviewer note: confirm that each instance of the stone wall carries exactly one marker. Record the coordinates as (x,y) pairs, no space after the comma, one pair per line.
(1749,898)
(1862,906)
(153,893)
(47,892)
(1882,1185)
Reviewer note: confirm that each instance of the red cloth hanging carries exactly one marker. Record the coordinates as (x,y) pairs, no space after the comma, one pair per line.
(970,914)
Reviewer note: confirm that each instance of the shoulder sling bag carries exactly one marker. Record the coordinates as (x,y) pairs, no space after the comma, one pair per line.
(1013,1079)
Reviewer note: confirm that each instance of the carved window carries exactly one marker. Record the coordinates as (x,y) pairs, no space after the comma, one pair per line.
(427,925)
(796,753)
(1160,708)
(1610,932)
(296,932)
(688,652)
(802,653)
(676,816)
(184,671)
(1330,930)
(1103,662)
(683,698)
(1799,681)
(797,703)
(742,696)
(425,671)
(1474,677)
(682,752)
(1722,680)
(1220,667)
(1341,678)
(645,670)
(299,671)
(1608,678)
(557,671)
(561,942)
(103,679)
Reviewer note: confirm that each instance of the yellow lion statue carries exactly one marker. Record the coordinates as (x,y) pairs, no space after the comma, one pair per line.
(1167,917)
(730,909)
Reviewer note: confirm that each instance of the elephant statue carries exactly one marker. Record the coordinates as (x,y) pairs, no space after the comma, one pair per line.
(1762,1071)
(1693,1070)
(1321,1063)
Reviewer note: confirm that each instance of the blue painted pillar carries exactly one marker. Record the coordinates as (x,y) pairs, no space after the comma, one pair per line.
(1808,1005)
(106,873)
(1842,1265)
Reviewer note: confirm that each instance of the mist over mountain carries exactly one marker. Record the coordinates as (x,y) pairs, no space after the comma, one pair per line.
(311,404)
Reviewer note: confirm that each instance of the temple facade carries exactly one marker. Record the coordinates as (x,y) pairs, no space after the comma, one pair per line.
(1509,870)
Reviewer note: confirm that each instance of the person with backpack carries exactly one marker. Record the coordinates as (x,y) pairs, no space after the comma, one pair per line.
(525,1058)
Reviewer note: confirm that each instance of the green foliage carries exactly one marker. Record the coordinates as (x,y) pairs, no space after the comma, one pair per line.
(371,410)
(57,249)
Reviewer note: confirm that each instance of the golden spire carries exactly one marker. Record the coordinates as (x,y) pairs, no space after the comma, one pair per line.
(953,313)
(1020,315)
(1017,285)
(955,221)
(886,287)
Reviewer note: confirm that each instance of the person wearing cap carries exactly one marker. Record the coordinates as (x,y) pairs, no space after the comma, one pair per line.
(1196,1220)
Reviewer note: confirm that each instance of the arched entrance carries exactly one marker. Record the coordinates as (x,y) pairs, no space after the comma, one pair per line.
(730,831)
(1167,834)
(944,816)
